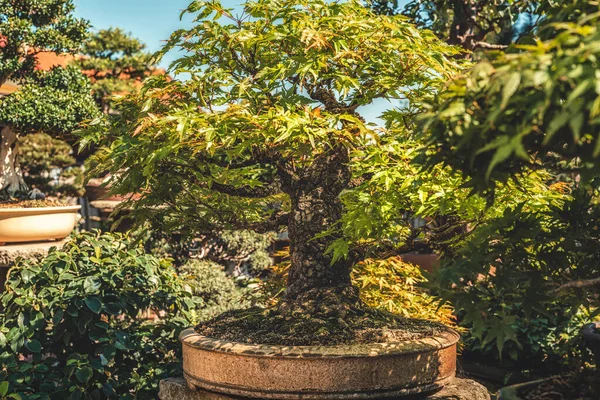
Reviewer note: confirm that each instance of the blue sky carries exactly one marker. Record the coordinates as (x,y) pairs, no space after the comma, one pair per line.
(153,21)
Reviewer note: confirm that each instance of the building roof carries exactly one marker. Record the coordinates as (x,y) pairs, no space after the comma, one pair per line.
(46,60)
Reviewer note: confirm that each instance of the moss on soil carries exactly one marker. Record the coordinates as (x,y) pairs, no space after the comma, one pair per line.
(31,204)
(328,317)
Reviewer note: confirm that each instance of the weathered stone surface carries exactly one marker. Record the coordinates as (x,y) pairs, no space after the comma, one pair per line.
(9,253)
(458,389)
(462,389)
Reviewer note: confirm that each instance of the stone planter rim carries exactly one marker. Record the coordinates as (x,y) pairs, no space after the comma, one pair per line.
(38,210)
(444,339)
(37,224)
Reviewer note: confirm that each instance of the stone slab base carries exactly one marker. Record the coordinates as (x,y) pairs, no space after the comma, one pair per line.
(10,252)
(458,389)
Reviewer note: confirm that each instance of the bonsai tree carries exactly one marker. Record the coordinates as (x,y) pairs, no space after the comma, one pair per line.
(115,62)
(54,101)
(49,166)
(266,134)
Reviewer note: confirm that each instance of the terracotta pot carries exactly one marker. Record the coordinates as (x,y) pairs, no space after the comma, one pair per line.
(37,224)
(365,371)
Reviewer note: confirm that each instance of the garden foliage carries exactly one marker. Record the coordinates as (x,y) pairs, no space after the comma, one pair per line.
(391,285)
(49,165)
(216,291)
(79,323)
(53,102)
(523,280)
(116,63)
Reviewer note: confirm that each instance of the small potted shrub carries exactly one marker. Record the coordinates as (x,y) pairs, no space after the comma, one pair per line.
(52,102)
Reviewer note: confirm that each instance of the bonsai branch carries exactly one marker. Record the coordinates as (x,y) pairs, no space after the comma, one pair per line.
(579,284)
(328,99)
(273,224)
(489,46)
(246,191)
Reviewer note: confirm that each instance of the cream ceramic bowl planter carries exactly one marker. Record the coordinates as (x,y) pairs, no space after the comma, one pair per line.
(364,371)
(37,224)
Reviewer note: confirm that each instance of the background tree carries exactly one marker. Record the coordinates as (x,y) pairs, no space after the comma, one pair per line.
(49,165)
(483,24)
(535,110)
(116,63)
(265,133)
(54,101)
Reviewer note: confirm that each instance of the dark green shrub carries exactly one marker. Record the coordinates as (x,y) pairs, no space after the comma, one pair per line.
(240,252)
(50,166)
(75,325)
(217,291)
(516,283)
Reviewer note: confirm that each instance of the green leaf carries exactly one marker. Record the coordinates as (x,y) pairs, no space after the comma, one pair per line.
(84,374)
(91,284)
(500,155)
(3,388)
(559,120)
(109,352)
(510,87)
(34,346)
(94,304)
(576,123)
(58,316)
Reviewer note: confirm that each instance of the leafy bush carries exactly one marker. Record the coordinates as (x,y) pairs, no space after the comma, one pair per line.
(245,251)
(396,286)
(217,291)
(517,283)
(73,325)
(239,252)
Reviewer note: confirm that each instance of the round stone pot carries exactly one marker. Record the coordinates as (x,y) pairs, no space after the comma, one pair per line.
(37,224)
(364,371)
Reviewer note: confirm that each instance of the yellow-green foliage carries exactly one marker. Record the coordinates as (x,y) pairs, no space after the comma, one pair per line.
(394,285)
(390,284)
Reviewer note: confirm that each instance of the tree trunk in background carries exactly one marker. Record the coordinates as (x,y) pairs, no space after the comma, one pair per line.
(316,207)
(463,24)
(11,176)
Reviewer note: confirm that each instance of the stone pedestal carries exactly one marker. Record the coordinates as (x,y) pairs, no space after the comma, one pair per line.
(9,253)
(458,389)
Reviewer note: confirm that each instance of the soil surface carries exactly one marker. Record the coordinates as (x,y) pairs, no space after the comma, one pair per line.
(575,386)
(31,204)
(324,318)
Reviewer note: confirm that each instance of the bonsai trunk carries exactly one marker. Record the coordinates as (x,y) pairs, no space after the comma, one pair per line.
(11,176)
(316,207)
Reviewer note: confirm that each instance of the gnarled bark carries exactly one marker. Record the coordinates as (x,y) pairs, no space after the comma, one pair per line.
(316,207)
(11,176)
